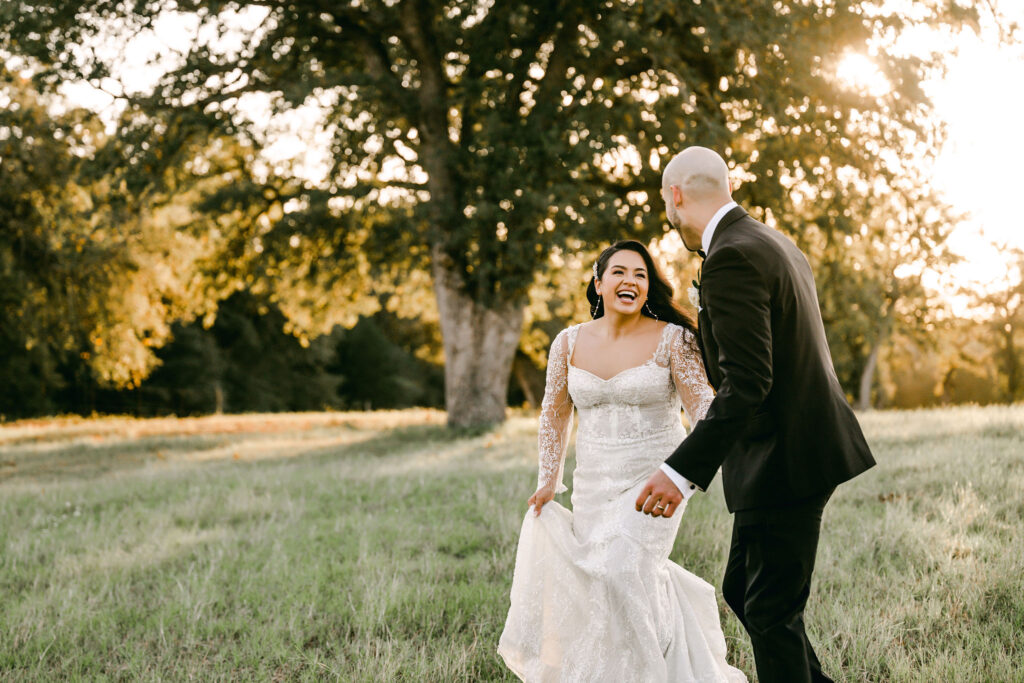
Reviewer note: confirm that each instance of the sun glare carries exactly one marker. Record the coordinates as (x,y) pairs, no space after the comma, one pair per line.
(862,74)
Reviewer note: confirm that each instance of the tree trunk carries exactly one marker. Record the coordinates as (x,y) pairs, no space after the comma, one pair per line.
(867,377)
(1012,364)
(479,344)
(479,341)
(218,398)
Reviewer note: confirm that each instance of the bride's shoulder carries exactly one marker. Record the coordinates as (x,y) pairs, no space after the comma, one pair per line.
(575,328)
(567,335)
(680,333)
(674,330)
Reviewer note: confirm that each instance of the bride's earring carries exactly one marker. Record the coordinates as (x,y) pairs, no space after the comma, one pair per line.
(593,311)
(650,312)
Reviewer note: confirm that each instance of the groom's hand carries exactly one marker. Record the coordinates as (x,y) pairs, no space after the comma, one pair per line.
(659,496)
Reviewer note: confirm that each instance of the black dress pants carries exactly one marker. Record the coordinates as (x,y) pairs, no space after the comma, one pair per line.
(767,581)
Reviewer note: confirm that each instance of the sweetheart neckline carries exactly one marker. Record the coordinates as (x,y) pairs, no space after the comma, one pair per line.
(649,361)
(652,359)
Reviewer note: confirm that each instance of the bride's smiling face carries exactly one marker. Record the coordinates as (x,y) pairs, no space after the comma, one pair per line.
(623,284)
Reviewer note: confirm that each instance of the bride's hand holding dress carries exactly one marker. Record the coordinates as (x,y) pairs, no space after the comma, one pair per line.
(543,495)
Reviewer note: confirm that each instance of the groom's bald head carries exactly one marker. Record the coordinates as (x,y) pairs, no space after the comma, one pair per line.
(699,172)
(694,185)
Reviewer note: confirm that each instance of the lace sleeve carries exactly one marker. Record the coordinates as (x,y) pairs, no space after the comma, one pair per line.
(689,376)
(555,416)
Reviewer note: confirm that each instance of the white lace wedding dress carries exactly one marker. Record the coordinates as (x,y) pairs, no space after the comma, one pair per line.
(594,595)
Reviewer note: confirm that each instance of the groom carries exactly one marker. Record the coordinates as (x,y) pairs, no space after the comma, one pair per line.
(779,427)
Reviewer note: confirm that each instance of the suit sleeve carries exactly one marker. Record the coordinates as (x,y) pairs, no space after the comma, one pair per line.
(738,303)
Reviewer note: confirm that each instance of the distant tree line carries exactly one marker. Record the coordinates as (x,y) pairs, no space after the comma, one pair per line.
(244,362)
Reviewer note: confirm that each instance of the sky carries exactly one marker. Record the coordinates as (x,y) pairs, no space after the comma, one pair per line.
(979,169)
(981,99)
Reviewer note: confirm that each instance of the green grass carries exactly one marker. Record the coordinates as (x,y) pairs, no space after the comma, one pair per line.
(368,547)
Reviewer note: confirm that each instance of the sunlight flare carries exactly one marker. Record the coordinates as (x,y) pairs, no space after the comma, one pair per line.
(862,74)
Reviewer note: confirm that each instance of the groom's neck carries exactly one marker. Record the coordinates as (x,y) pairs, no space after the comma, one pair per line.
(707,210)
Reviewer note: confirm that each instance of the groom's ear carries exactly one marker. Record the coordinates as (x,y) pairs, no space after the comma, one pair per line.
(677,195)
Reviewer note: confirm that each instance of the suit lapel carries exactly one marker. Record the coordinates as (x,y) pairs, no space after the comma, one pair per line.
(728,219)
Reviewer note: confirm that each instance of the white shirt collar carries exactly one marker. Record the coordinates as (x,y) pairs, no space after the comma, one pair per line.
(709,231)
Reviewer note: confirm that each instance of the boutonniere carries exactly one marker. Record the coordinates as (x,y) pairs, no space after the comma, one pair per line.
(694,292)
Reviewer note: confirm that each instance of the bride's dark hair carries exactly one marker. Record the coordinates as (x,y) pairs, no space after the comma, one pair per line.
(659,291)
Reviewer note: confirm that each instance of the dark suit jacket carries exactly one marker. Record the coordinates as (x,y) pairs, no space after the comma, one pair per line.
(780,426)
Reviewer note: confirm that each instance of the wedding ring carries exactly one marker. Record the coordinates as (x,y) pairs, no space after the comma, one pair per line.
(659,507)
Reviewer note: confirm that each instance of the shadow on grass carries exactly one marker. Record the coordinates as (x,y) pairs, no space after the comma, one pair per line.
(88,460)
(85,460)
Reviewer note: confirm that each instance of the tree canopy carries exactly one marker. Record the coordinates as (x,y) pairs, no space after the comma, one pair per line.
(485,143)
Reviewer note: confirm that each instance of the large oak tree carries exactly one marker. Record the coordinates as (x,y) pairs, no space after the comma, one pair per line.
(473,139)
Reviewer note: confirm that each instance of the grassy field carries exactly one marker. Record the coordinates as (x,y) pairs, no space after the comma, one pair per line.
(370,547)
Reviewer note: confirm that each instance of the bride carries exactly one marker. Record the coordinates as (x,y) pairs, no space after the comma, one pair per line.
(594,595)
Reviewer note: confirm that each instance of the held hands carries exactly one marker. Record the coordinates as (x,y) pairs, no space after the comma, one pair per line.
(541,496)
(659,496)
